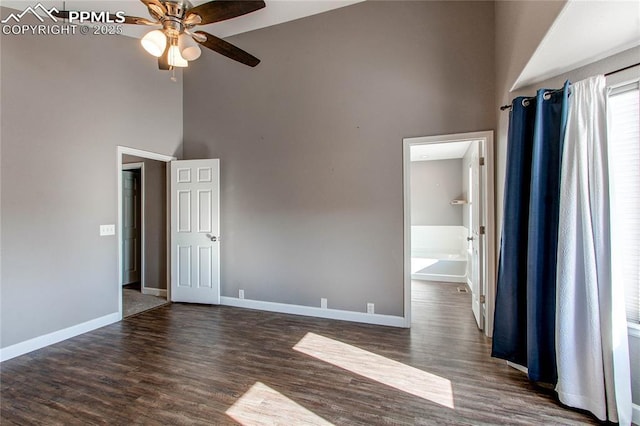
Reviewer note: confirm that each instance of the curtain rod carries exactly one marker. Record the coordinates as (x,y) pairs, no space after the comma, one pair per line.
(503,107)
(546,94)
(621,69)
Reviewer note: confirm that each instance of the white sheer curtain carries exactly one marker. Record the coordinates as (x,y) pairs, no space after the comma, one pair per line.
(591,329)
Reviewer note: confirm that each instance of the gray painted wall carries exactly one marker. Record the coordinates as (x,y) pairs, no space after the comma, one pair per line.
(67,102)
(519,28)
(433,185)
(155,220)
(310,142)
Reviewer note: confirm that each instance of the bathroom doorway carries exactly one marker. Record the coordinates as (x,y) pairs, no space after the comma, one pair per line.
(449,231)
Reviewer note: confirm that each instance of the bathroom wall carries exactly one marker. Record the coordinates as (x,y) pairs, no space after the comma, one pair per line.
(438,242)
(436,225)
(433,185)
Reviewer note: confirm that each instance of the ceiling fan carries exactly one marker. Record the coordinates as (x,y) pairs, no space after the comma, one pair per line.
(175,43)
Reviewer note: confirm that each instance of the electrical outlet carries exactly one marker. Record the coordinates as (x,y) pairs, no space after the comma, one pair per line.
(323,303)
(107,230)
(370,308)
(241,294)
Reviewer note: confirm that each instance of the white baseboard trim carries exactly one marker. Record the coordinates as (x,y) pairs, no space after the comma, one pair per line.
(311,311)
(155,292)
(518,367)
(56,336)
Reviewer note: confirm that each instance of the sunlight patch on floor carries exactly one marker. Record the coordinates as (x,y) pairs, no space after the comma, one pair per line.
(375,367)
(261,405)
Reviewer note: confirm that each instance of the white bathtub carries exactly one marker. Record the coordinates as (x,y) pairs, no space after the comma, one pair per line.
(439,253)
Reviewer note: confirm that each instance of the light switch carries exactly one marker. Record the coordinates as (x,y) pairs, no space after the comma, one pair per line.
(107,230)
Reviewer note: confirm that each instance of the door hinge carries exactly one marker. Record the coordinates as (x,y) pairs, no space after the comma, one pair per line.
(482,161)
(482,230)
(482,299)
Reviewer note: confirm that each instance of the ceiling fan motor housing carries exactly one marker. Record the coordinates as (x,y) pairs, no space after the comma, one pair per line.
(172,21)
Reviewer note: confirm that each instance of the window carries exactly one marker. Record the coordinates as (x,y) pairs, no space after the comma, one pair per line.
(624,168)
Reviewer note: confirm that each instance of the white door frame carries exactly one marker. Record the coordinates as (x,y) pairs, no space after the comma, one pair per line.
(139,166)
(488,188)
(120,151)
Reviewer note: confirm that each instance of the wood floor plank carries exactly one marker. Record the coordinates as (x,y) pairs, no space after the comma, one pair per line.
(190,364)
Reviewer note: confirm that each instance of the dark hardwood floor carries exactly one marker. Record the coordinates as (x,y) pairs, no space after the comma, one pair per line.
(194,364)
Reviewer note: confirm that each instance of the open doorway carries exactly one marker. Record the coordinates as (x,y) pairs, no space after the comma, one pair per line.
(132,235)
(449,219)
(142,231)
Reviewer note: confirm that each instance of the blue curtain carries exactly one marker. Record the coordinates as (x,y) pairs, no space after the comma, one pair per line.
(524,322)
(510,322)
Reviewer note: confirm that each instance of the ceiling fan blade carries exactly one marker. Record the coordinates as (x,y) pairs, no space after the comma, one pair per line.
(64,14)
(155,5)
(220,10)
(227,49)
(139,21)
(163,61)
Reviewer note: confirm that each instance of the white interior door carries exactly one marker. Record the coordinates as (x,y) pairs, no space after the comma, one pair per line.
(130,227)
(195,238)
(477,253)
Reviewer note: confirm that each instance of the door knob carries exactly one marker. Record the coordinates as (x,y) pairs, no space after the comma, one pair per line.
(213,238)
(469,238)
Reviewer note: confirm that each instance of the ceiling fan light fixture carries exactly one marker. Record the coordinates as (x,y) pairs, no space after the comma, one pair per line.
(179,17)
(189,49)
(175,59)
(154,42)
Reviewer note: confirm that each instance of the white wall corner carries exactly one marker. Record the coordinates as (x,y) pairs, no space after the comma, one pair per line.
(56,337)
